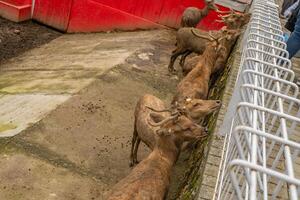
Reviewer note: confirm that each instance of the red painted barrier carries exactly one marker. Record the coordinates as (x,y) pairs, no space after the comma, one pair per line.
(98,17)
(15,10)
(104,15)
(55,13)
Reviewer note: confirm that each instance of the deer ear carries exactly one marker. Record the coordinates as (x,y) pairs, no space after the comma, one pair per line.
(156,117)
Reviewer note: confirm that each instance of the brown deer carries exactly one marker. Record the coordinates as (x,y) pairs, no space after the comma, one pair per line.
(150,179)
(151,106)
(196,84)
(187,41)
(192,15)
(228,42)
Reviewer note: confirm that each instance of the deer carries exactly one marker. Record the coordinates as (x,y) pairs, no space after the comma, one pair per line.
(187,41)
(228,42)
(191,40)
(192,15)
(151,106)
(196,84)
(150,179)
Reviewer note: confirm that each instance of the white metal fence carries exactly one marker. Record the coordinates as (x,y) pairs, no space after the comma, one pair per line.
(261,150)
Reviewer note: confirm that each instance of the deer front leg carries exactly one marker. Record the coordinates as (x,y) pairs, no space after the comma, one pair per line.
(183,57)
(133,144)
(175,54)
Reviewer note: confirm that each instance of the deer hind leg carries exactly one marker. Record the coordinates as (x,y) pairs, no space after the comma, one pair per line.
(175,54)
(133,144)
(183,57)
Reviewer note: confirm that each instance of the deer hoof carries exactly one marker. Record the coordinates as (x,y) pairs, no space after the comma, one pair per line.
(181,63)
(131,163)
(172,70)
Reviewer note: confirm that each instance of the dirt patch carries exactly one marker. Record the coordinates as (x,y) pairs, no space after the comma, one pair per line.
(16,38)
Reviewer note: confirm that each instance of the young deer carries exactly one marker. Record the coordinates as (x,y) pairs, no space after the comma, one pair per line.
(150,179)
(153,107)
(196,84)
(192,15)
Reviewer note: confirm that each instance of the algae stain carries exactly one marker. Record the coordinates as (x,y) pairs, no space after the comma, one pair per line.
(6,127)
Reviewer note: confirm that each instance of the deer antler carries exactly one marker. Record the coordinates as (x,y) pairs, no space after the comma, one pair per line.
(202,36)
(162,122)
(210,35)
(226,16)
(159,111)
(218,20)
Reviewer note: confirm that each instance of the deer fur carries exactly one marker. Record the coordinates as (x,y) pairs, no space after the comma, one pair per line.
(150,179)
(194,109)
(142,130)
(187,42)
(192,15)
(196,84)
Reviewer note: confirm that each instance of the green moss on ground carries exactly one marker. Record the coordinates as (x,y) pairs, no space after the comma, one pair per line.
(6,127)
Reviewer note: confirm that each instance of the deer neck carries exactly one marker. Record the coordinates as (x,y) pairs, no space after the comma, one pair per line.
(167,151)
(204,11)
(204,66)
(210,57)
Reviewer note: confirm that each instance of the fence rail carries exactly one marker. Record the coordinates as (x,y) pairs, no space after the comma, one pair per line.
(262,127)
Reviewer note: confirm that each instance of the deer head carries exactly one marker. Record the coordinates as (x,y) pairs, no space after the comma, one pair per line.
(230,34)
(198,108)
(235,19)
(179,129)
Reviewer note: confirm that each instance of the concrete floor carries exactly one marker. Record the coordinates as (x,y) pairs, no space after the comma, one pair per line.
(39,80)
(66,112)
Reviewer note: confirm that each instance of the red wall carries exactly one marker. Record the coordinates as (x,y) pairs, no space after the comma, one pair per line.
(99,17)
(103,15)
(55,13)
